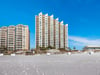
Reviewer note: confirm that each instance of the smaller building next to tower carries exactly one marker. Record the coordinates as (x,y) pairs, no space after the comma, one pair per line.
(15,38)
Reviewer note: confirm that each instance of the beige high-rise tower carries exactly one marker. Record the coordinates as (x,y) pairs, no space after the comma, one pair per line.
(50,32)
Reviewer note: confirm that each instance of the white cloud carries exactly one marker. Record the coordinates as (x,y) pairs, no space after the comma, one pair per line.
(84,41)
(74,43)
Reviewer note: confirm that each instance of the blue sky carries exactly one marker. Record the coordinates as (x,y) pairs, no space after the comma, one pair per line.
(83,17)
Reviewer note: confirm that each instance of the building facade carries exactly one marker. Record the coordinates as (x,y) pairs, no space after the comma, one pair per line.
(22,37)
(50,32)
(3,37)
(15,37)
(11,38)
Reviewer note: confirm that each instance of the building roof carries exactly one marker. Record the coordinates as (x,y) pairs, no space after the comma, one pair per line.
(93,46)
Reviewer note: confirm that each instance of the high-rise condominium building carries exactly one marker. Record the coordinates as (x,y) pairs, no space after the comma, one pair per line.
(22,37)
(3,37)
(11,38)
(15,37)
(50,32)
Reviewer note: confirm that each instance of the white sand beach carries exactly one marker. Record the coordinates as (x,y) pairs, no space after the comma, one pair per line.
(75,64)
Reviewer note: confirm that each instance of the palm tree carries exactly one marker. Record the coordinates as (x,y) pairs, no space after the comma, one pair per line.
(74,47)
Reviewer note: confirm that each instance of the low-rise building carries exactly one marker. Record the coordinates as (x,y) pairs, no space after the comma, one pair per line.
(91,48)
